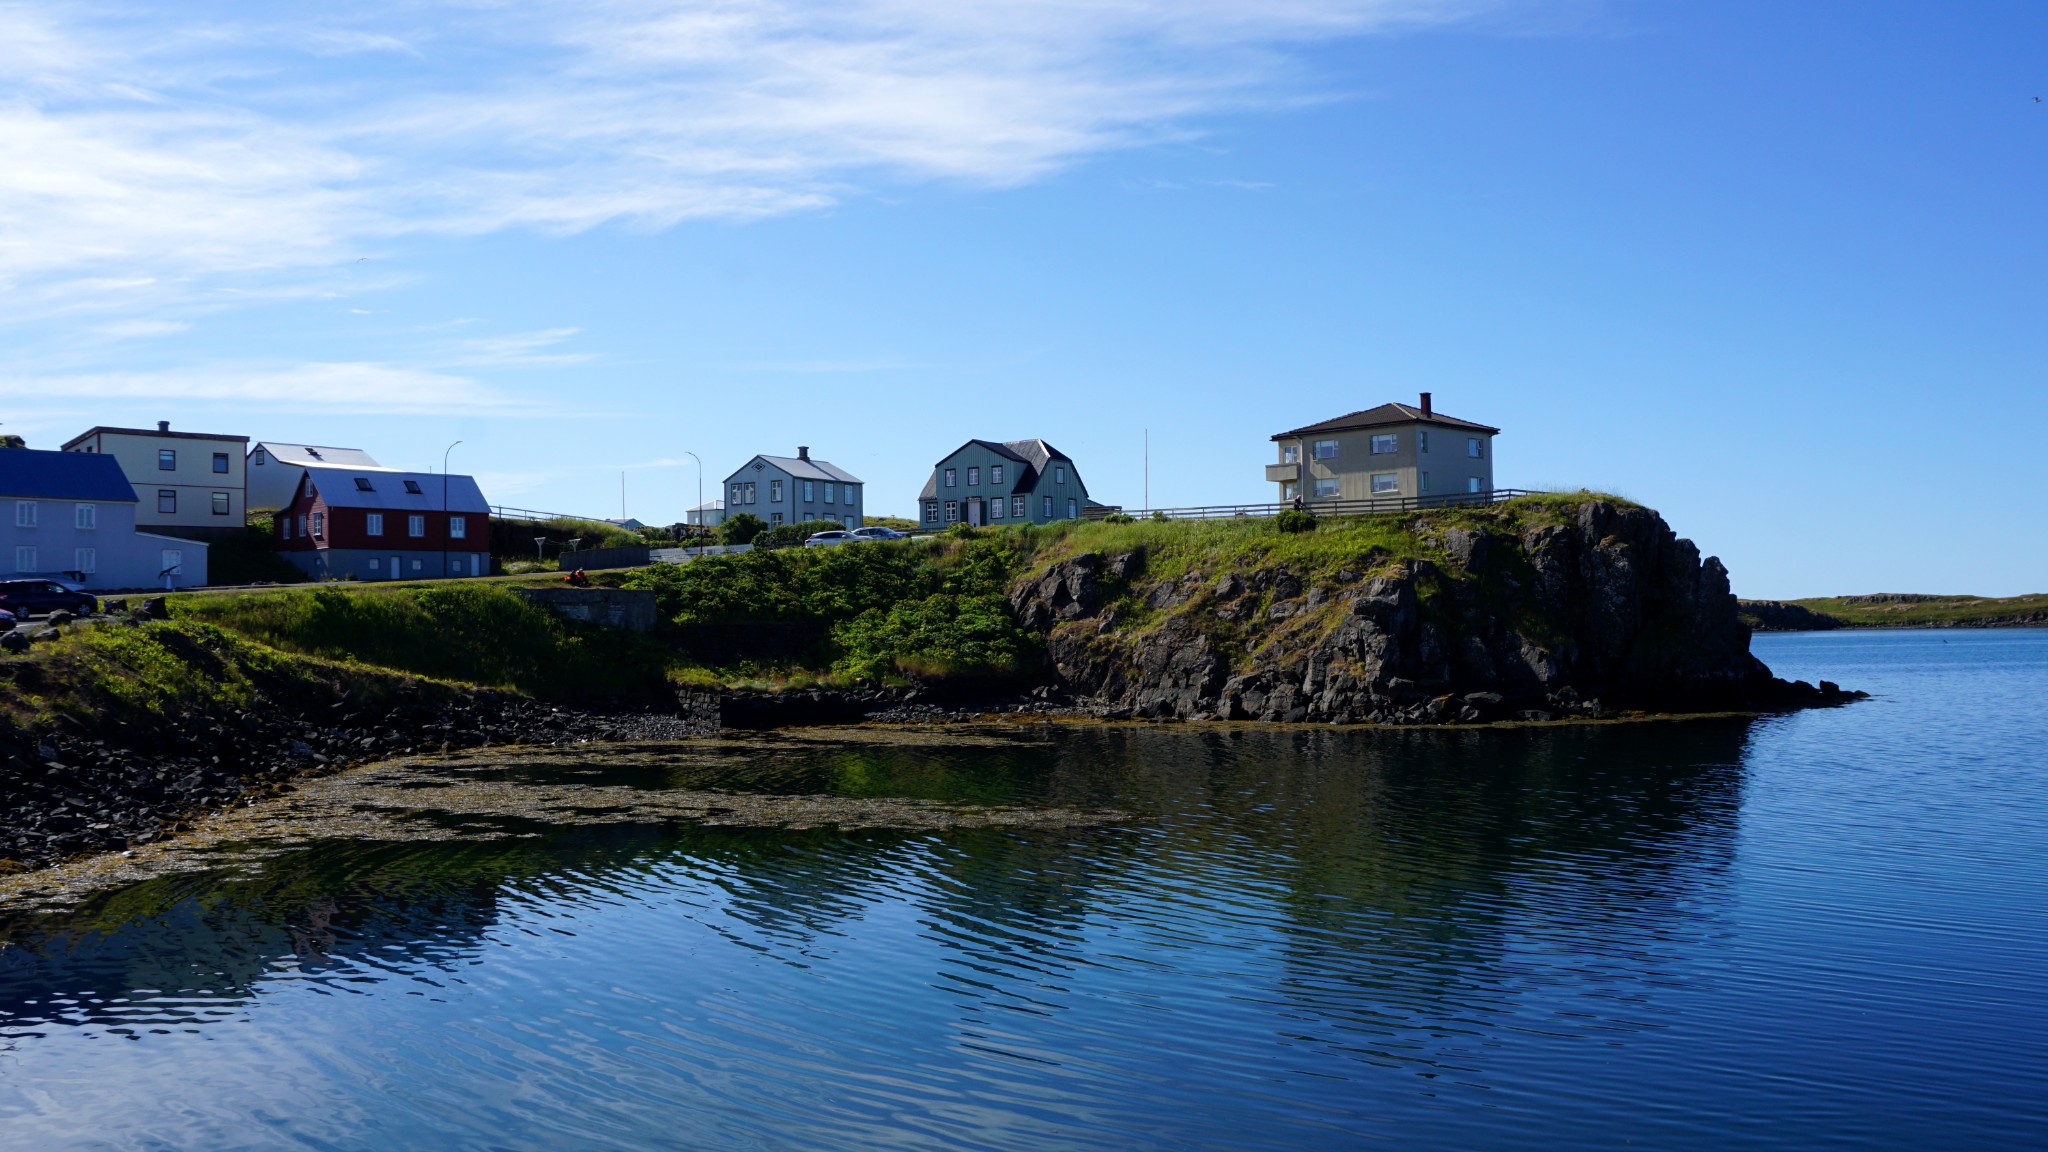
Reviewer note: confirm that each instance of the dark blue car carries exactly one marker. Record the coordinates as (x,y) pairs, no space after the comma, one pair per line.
(25,598)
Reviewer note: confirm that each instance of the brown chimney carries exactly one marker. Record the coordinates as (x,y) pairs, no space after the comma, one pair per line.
(1425,404)
(803,452)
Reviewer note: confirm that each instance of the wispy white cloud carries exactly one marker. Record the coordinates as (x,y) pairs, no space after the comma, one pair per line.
(332,387)
(146,158)
(518,349)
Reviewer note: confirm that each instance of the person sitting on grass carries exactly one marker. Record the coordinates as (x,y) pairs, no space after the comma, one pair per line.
(577,579)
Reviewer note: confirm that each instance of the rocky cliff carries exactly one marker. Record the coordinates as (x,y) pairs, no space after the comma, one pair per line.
(1538,612)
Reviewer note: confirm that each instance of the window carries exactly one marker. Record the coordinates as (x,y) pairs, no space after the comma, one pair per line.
(1289,490)
(1045,508)
(1473,448)
(775,517)
(752,493)
(1059,474)
(1073,509)
(831,490)
(1290,453)
(415,525)
(974,477)
(1385,443)
(259,458)
(363,484)
(373,524)
(810,492)
(848,494)
(376,565)
(455,565)
(24,513)
(1016,507)
(86,517)
(850,520)
(1472,484)
(995,508)
(167,460)
(1422,482)
(319,523)
(739,494)
(1326,489)
(931,511)
(458,527)
(86,561)
(952,478)
(220,463)
(24,559)
(1386,483)
(995,473)
(302,524)
(220,503)
(413,487)
(415,565)
(952,511)
(775,491)
(1422,440)
(284,527)
(167,500)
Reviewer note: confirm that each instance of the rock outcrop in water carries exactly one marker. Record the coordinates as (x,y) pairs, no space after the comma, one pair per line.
(1608,610)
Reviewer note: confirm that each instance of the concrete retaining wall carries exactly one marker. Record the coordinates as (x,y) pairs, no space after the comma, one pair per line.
(618,607)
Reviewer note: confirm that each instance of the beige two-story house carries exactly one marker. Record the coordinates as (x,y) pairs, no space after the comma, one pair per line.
(1394,451)
(189,484)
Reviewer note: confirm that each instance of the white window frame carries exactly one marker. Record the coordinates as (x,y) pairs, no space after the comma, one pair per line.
(952,511)
(831,490)
(1318,450)
(931,511)
(24,513)
(86,517)
(1474,448)
(1472,484)
(1045,507)
(995,508)
(952,479)
(995,473)
(221,504)
(1289,490)
(416,525)
(810,491)
(974,476)
(1386,484)
(373,524)
(1059,474)
(258,458)
(86,561)
(24,558)
(1385,444)
(1073,508)
(1290,453)
(1421,440)
(775,491)
(458,527)
(319,524)
(1328,487)
(1017,507)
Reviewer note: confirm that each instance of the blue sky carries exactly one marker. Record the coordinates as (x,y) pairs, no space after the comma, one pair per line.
(1774,269)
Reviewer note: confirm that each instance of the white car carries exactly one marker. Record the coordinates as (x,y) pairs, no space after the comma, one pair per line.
(877,532)
(826,539)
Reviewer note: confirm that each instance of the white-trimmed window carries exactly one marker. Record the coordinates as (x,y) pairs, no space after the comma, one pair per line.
(775,517)
(952,478)
(458,527)
(1325,450)
(85,517)
(974,477)
(1289,490)
(775,491)
(1385,443)
(1073,508)
(952,511)
(1475,448)
(259,458)
(1059,474)
(415,525)
(995,473)
(850,518)
(24,513)
(753,493)
(220,504)
(831,491)
(1386,483)
(24,558)
(1290,453)
(167,501)
(373,525)
(1472,484)
(995,508)
(319,523)
(1045,508)
(1016,507)
(931,511)
(1422,439)
(739,494)
(1326,488)
(810,491)
(302,524)
(86,561)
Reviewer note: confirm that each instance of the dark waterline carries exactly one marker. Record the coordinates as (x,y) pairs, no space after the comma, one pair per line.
(1827,929)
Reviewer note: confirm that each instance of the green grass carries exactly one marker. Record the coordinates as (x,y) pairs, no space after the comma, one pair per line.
(1918,611)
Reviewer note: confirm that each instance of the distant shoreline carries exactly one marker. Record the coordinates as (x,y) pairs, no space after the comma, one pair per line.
(1895,610)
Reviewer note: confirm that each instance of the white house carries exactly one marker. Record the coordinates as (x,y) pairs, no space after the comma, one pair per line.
(190,484)
(73,514)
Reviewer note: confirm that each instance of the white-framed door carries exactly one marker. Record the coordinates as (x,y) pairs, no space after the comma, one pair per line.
(395,567)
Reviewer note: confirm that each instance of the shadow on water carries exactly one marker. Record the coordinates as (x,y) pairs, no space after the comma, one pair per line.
(1386,874)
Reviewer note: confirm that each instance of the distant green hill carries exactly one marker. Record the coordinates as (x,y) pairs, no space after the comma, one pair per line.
(1896,610)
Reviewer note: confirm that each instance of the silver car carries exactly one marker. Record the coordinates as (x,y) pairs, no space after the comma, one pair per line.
(877,532)
(826,539)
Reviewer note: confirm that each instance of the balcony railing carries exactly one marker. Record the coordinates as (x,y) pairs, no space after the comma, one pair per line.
(1326,507)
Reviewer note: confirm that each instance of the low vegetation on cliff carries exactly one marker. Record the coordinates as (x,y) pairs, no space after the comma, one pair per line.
(1896,610)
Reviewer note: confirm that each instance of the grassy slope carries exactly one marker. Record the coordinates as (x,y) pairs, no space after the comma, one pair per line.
(1901,611)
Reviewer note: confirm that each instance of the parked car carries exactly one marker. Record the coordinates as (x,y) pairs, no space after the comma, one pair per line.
(877,532)
(41,597)
(825,539)
(7,620)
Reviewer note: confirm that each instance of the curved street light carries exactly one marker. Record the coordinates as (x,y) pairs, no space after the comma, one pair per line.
(444,509)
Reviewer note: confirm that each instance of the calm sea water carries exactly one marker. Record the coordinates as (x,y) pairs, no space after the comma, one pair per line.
(1821,930)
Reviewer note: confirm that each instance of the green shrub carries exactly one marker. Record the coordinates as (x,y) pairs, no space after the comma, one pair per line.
(741,528)
(1119,518)
(791,535)
(1295,521)
(1160,517)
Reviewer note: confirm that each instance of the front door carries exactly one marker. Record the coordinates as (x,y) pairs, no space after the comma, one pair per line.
(394,567)
(974,510)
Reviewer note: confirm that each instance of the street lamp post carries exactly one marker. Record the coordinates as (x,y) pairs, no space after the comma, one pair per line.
(444,509)
(702,512)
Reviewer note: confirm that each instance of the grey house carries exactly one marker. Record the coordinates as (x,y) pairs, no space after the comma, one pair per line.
(793,489)
(1011,482)
(1392,452)
(72,514)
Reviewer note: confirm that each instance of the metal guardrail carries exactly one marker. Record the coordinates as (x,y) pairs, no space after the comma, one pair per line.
(1370,507)
(500,512)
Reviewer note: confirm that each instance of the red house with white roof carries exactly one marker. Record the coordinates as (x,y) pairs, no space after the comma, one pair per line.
(364,524)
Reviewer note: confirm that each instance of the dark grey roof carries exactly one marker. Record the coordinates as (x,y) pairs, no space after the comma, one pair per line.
(812,469)
(1034,455)
(387,491)
(89,433)
(1383,416)
(34,474)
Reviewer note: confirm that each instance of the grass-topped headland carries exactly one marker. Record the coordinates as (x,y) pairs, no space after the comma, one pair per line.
(1896,610)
